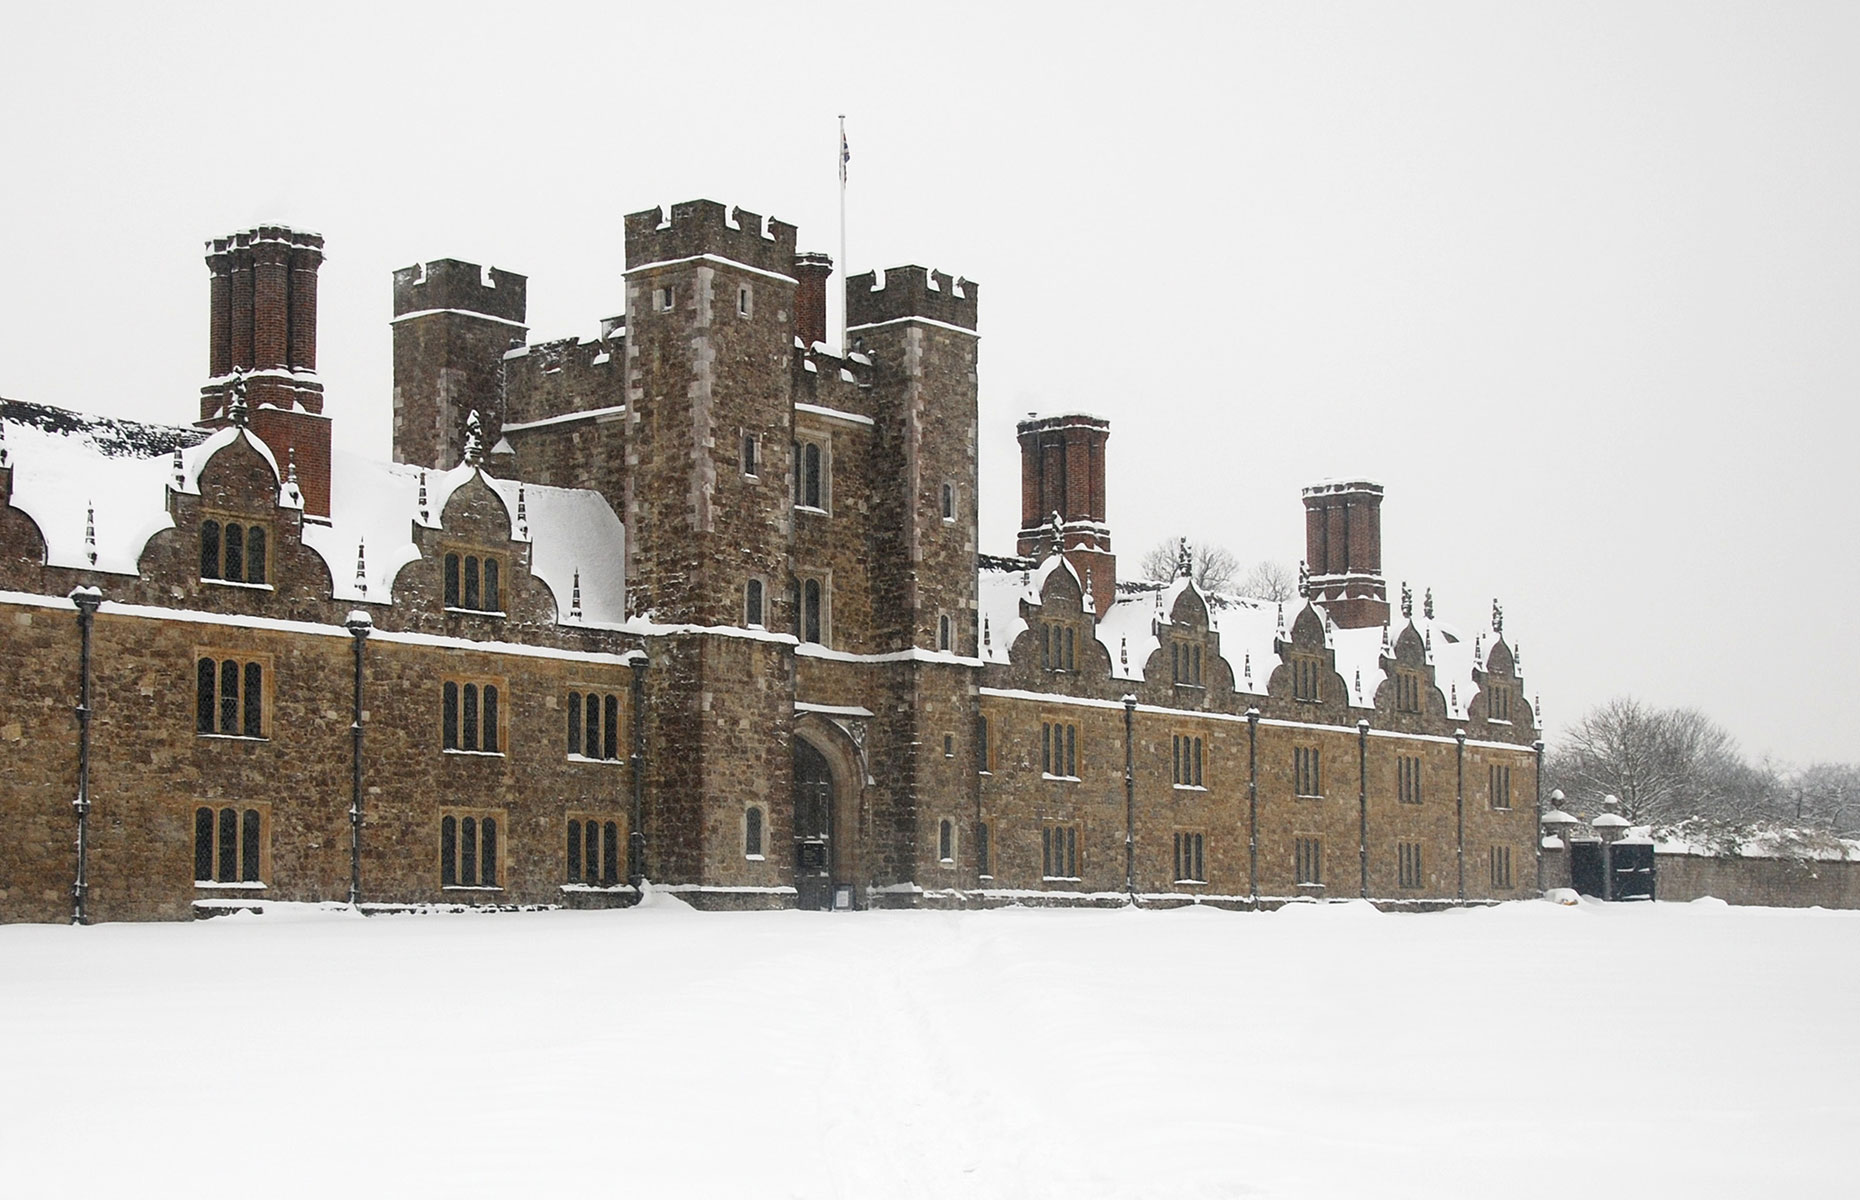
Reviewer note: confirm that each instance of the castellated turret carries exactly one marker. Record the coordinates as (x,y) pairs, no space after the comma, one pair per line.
(453,322)
(917,327)
(710,301)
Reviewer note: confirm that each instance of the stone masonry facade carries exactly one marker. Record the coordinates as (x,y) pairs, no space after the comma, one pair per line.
(693,601)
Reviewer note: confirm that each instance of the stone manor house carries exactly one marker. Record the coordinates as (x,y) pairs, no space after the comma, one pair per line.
(697,602)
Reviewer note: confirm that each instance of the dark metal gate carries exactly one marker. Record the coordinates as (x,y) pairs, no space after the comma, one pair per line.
(1630,869)
(1588,871)
(1618,871)
(813,825)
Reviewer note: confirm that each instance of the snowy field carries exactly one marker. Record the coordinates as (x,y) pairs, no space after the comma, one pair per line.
(1532,1050)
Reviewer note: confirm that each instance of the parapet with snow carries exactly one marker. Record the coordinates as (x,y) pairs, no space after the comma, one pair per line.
(910,291)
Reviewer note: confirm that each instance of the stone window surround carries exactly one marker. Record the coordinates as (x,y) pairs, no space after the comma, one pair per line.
(219,655)
(222,520)
(821,490)
(1189,845)
(824,578)
(263,868)
(600,693)
(946,847)
(464,553)
(503,714)
(577,825)
(499,852)
(760,853)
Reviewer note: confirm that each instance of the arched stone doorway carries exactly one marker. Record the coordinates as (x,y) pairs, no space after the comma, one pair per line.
(829,783)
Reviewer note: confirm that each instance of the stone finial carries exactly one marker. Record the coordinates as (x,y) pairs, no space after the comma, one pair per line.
(1427,604)
(361,568)
(290,469)
(1453,695)
(180,470)
(425,508)
(1429,638)
(474,439)
(90,531)
(1123,651)
(1479,649)
(1517,660)
(6,459)
(1387,650)
(574,598)
(1280,628)
(236,407)
(1359,685)
(1304,580)
(1407,600)
(523,513)
(1537,710)
(1056,528)
(1247,672)
(1498,619)
(1184,561)
(987,639)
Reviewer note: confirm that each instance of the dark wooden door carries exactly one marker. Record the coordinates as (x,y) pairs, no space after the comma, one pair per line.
(813,828)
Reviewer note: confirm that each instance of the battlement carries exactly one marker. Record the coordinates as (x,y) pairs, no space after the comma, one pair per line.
(706,227)
(447,283)
(910,291)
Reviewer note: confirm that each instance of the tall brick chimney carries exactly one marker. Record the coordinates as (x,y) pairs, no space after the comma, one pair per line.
(812,269)
(1062,471)
(262,326)
(1343,551)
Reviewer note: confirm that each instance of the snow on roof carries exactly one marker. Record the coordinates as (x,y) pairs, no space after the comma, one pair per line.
(1249,631)
(95,485)
(1610,821)
(574,531)
(377,505)
(98,485)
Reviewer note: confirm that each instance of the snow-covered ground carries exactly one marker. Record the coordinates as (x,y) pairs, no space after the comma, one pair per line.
(1531,1050)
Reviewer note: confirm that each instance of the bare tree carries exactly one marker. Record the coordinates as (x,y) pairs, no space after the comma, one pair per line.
(1212,567)
(1269,580)
(1824,795)
(1663,764)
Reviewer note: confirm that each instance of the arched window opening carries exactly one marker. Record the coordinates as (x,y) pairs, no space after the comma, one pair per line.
(752,833)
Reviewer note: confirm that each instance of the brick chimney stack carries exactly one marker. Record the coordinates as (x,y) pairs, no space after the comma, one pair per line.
(812,269)
(1062,471)
(262,326)
(1343,552)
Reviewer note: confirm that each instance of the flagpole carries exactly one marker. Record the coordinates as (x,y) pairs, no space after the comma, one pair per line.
(845,348)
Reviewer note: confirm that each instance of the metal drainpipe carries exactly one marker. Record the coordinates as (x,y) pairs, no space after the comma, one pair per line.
(1459,808)
(360,625)
(1130,798)
(87,600)
(636,837)
(1537,834)
(1362,799)
(1252,805)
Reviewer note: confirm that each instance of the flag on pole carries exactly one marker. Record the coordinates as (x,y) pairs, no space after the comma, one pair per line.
(845,154)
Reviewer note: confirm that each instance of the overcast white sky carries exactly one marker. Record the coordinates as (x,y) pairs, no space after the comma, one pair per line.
(1578,282)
